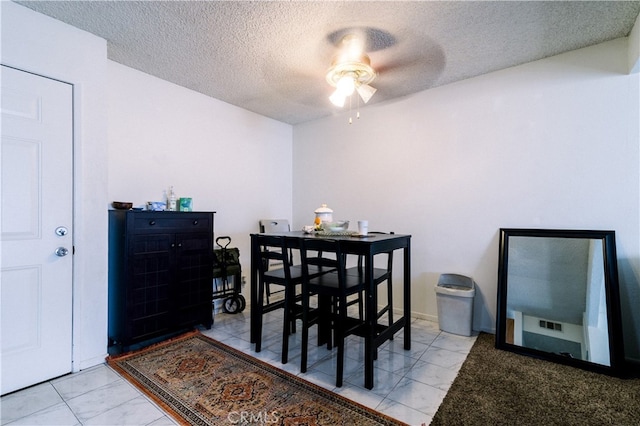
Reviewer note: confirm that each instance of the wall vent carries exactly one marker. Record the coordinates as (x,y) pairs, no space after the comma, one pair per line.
(550,325)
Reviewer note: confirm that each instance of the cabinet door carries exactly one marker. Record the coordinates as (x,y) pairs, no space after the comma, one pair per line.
(149,297)
(193,279)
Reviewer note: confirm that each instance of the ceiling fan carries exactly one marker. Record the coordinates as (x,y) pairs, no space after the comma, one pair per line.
(350,53)
(351,71)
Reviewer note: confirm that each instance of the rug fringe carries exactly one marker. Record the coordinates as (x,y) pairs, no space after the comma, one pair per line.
(124,355)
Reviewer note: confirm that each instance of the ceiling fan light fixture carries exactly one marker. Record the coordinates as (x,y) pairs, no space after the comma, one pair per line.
(361,72)
(366,92)
(346,85)
(351,71)
(337,98)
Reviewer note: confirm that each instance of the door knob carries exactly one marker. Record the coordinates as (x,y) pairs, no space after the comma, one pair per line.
(61,231)
(61,252)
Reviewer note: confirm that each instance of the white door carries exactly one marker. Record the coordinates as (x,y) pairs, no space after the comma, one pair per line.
(36,229)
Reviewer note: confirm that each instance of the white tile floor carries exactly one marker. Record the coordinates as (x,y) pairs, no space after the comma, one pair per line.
(409,385)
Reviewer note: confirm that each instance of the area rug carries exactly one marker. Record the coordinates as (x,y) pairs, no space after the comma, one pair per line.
(200,381)
(496,387)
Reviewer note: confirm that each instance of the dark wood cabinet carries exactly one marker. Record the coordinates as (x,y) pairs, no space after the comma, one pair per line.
(160,274)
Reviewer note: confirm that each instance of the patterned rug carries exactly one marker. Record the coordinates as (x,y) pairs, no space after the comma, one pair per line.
(200,381)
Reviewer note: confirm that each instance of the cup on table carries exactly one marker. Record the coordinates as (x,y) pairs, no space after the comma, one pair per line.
(363,227)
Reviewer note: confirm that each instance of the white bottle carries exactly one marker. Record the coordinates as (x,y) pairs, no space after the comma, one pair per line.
(171,200)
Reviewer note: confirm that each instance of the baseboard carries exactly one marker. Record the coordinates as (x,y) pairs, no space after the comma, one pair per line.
(418,315)
(88,363)
(488,330)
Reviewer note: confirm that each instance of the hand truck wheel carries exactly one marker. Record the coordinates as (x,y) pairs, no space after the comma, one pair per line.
(243,302)
(234,304)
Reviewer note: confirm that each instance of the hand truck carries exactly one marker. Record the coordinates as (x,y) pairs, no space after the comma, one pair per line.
(226,263)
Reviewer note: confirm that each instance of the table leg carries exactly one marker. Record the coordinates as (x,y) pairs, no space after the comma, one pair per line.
(370,318)
(407,296)
(254,286)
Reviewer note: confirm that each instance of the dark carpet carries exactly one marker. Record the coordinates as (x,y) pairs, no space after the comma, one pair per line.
(496,387)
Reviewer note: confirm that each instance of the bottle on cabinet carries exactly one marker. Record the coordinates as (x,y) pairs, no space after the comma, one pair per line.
(171,200)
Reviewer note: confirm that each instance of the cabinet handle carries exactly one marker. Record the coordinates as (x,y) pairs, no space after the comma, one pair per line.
(180,245)
(172,245)
(152,222)
(195,222)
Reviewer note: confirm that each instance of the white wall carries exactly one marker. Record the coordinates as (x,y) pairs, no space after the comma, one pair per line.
(38,44)
(549,144)
(227,159)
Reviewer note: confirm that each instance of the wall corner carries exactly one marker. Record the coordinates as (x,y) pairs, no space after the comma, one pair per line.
(634,48)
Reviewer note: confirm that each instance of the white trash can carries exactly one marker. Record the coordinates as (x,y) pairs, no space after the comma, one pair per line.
(454,294)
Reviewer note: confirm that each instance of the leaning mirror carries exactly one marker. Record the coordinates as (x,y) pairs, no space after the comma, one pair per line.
(558,297)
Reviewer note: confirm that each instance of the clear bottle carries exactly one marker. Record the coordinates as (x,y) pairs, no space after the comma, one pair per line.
(171,200)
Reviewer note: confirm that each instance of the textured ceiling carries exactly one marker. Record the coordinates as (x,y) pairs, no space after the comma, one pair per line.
(271,57)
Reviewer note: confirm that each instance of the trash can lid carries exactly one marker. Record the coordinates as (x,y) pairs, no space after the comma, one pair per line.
(455,281)
(456,291)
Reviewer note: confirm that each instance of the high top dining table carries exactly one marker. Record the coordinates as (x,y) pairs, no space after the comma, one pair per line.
(368,247)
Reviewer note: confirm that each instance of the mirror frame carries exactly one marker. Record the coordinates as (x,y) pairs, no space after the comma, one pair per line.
(614,322)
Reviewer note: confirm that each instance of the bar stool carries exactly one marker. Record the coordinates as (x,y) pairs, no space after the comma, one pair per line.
(275,248)
(380,276)
(270,226)
(335,286)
